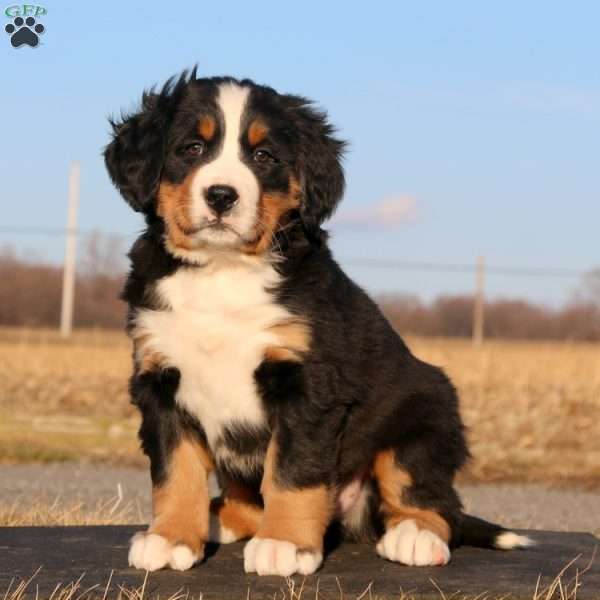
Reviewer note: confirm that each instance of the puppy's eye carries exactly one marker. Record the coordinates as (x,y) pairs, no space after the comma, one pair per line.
(195,149)
(263,156)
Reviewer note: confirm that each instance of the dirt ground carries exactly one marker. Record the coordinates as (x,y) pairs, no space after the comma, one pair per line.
(516,505)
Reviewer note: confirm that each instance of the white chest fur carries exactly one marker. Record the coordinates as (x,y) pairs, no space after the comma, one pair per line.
(214,329)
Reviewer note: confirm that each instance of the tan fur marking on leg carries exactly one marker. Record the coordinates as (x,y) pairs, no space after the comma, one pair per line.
(180,504)
(294,340)
(238,510)
(300,516)
(392,480)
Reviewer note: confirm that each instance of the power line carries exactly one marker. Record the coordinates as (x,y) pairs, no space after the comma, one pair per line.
(460,268)
(61,232)
(33,231)
(376,263)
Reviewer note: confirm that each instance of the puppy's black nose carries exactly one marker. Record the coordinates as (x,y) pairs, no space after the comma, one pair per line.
(220,198)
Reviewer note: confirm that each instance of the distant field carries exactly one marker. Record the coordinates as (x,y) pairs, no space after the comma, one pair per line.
(532,409)
(66,400)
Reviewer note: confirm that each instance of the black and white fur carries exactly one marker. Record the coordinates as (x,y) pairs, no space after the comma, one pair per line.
(208,309)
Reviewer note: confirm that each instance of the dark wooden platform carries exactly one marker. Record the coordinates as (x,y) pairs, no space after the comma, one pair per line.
(65,553)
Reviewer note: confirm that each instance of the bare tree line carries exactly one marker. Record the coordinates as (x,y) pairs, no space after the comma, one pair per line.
(30,292)
(30,295)
(452,316)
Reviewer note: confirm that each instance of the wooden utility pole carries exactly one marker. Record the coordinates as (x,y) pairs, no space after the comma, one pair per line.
(68,287)
(478,311)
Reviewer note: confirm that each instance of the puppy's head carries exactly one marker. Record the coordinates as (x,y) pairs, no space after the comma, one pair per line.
(226,163)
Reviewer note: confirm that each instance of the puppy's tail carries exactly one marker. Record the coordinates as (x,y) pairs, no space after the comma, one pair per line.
(482,534)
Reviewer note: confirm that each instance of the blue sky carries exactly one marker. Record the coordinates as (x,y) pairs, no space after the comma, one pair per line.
(482,121)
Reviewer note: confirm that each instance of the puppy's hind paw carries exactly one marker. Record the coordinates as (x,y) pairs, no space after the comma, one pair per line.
(406,543)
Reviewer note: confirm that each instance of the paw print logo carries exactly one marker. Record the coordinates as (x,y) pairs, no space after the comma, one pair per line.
(24,31)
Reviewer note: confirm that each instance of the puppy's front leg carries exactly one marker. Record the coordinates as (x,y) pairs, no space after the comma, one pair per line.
(179,467)
(290,537)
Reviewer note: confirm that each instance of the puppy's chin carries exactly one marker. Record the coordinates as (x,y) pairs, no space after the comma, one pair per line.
(219,236)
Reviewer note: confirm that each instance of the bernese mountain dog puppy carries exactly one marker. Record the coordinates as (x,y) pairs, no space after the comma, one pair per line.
(256,358)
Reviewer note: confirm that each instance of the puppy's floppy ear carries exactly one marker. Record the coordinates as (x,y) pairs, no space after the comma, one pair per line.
(319,163)
(135,156)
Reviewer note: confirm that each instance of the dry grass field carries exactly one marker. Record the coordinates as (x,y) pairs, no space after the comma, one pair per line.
(532,409)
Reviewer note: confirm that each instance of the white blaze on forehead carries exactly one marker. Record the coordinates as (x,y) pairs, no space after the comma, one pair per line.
(232,101)
(227,168)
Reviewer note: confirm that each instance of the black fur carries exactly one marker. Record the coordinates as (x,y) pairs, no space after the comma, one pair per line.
(359,390)
(479,533)
(163,422)
(240,453)
(135,157)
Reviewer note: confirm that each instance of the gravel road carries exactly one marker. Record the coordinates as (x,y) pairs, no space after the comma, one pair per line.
(526,506)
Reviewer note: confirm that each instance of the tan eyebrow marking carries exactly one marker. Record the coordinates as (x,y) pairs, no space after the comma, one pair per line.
(207,127)
(257,132)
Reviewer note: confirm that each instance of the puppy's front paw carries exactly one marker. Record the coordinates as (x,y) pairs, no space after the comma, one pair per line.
(266,556)
(406,543)
(150,552)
